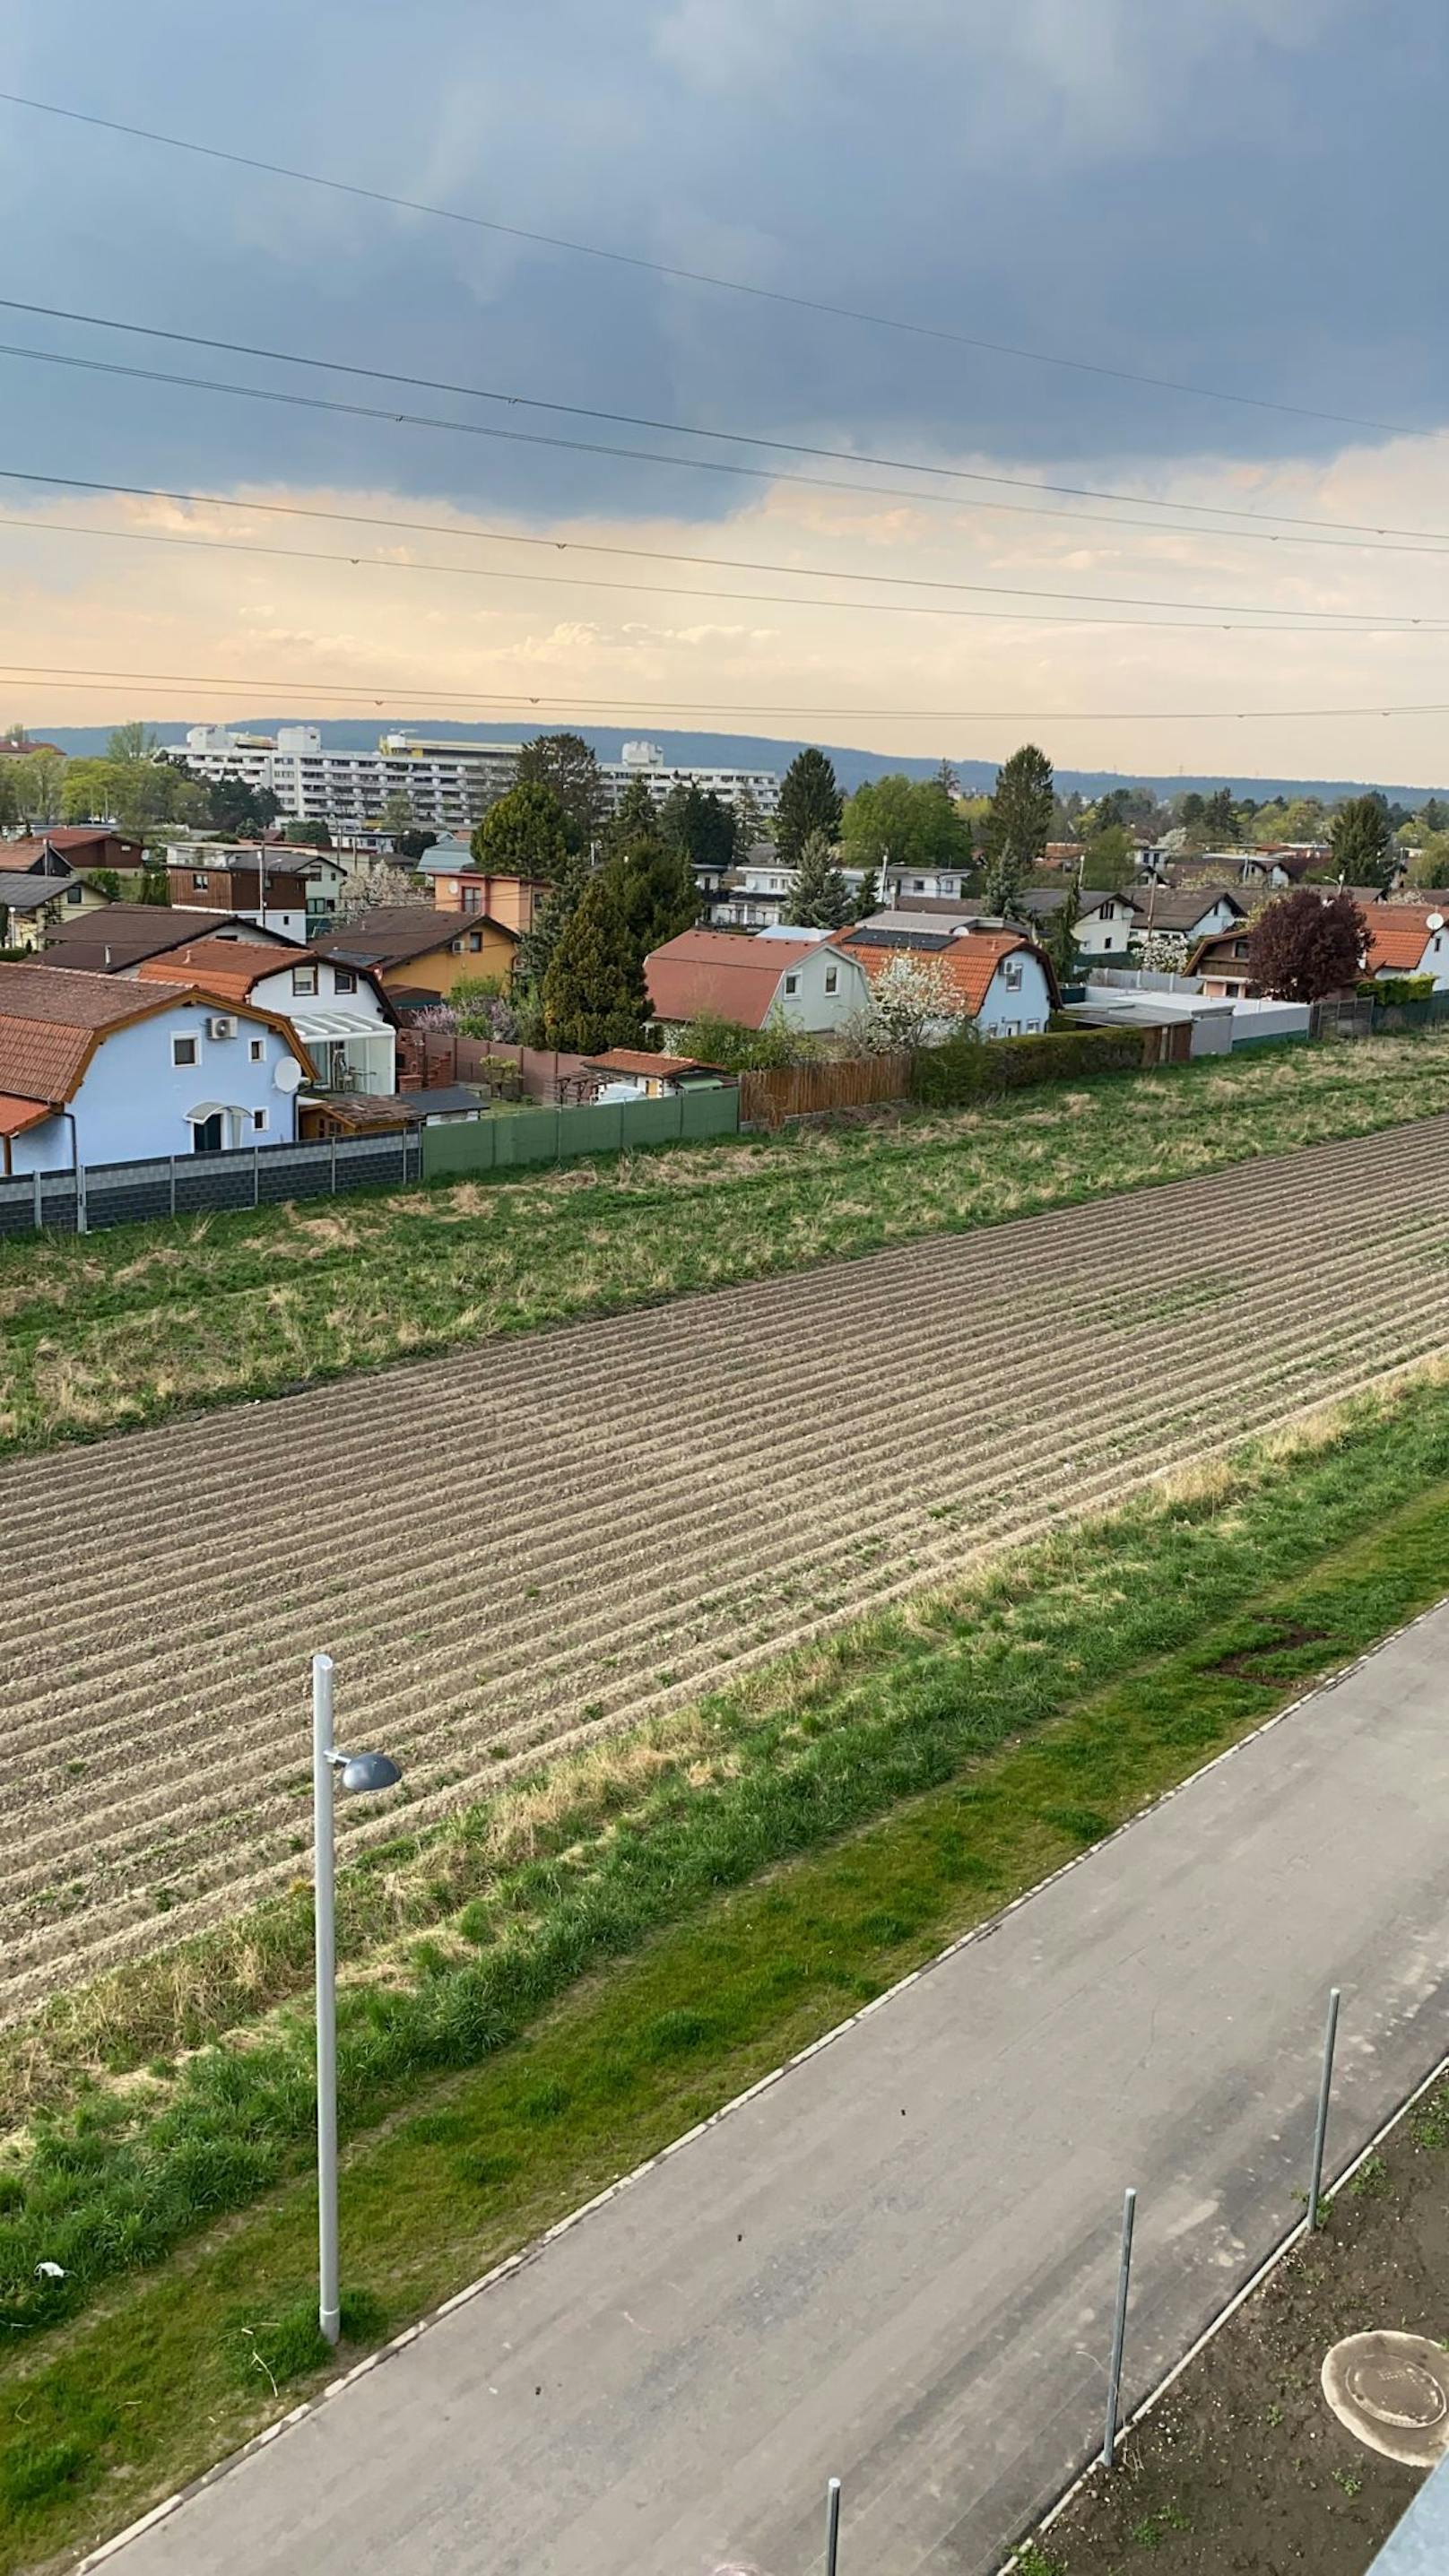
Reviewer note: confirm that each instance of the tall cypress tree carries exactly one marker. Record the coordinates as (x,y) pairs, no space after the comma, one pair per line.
(810,801)
(593,992)
(1017,825)
(820,897)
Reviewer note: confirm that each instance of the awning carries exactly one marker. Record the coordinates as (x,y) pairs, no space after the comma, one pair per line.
(313,1025)
(205,1109)
(16,1114)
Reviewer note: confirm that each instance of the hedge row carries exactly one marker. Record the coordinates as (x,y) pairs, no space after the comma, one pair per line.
(975,1068)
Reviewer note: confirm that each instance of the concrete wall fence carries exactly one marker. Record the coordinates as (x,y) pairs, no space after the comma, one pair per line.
(264,1175)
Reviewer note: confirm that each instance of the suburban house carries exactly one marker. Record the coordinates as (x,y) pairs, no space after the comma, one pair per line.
(800,975)
(249,877)
(1403,941)
(340,1014)
(83,846)
(1191,912)
(323,878)
(514,903)
(1222,963)
(1004,984)
(422,952)
(628,1073)
(36,899)
(97,1069)
(121,935)
(1104,923)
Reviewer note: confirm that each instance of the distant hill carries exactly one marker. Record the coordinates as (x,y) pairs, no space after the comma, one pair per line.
(759,751)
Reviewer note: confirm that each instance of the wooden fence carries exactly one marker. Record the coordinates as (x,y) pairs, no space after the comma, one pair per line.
(809,1090)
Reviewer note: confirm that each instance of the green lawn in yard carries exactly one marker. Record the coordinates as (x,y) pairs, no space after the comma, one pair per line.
(661,1936)
(124,1327)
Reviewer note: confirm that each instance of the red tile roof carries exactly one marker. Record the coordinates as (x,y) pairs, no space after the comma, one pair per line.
(636,1060)
(50,1023)
(719,971)
(971,961)
(1397,938)
(226,966)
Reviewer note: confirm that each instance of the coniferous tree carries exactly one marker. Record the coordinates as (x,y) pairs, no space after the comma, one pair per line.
(810,801)
(569,769)
(1362,835)
(593,992)
(537,945)
(635,824)
(820,897)
(1017,825)
(866,898)
(526,834)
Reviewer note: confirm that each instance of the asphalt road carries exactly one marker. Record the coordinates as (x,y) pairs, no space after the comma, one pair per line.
(897,2263)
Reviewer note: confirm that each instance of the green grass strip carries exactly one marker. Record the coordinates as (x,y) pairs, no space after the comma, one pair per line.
(126,1327)
(1002,1738)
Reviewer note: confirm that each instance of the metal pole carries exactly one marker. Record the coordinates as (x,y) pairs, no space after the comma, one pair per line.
(256,1176)
(1320,2132)
(1119,2330)
(325,1866)
(37,1200)
(173,1184)
(832,2526)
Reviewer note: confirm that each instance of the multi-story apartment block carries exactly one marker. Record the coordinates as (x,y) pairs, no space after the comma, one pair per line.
(447,784)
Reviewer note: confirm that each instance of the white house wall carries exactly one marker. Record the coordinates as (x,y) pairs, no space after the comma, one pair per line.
(1016,1011)
(133,1099)
(822,992)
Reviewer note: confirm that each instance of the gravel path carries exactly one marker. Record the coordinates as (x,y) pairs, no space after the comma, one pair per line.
(538,1540)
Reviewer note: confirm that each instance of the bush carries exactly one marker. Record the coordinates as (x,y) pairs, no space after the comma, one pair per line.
(966,1069)
(1394,990)
(711,1039)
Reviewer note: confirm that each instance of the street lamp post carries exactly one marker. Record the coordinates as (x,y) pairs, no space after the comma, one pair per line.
(358,1773)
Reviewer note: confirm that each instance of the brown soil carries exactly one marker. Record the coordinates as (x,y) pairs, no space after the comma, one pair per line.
(1242,2467)
(537,1542)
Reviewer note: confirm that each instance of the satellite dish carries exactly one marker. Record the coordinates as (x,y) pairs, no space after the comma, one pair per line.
(1435,921)
(288,1075)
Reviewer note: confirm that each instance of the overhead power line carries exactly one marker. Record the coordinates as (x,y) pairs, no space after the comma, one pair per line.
(704,277)
(686,429)
(1208,620)
(657,456)
(651,554)
(563,702)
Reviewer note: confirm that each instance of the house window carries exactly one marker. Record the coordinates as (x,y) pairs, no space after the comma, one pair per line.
(343,980)
(918,885)
(475,942)
(257,1050)
(1011,977)
(73,893)
(186,1051)
(832,979)
(201,883)
(792,983)
(304,979)
(260,1119)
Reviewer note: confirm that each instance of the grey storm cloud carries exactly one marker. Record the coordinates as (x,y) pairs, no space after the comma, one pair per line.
(1244,193)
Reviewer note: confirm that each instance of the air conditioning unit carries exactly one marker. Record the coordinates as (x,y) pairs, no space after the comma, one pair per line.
(221,1025)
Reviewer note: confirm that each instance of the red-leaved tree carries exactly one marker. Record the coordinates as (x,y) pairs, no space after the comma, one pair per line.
(1303,948)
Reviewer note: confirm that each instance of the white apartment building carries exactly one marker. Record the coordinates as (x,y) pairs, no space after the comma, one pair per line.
(645,760)
(447,784)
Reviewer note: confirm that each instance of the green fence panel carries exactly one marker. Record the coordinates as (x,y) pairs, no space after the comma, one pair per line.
(649,1122)
(710,1113)
(597,1129)
(452,1150)
(527,1136)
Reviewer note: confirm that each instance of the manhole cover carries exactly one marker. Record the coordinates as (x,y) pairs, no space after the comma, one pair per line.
(1392,2392)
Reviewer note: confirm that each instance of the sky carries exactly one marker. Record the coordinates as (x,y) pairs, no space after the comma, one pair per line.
(1241,196)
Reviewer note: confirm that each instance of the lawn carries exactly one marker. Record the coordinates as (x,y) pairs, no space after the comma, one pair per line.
(126,1327)
(547,1992)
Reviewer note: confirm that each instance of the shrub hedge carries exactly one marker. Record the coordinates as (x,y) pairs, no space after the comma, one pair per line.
(977,1069)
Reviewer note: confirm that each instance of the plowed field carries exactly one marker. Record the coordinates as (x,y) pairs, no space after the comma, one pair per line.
(543,1538)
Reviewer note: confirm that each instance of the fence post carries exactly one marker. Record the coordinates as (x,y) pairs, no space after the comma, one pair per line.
(37,1201)
(1320,2126)
(172,1160)
(256,1176)
(1119,2329)
(334,1162)
(82,1219)
(832,2526)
